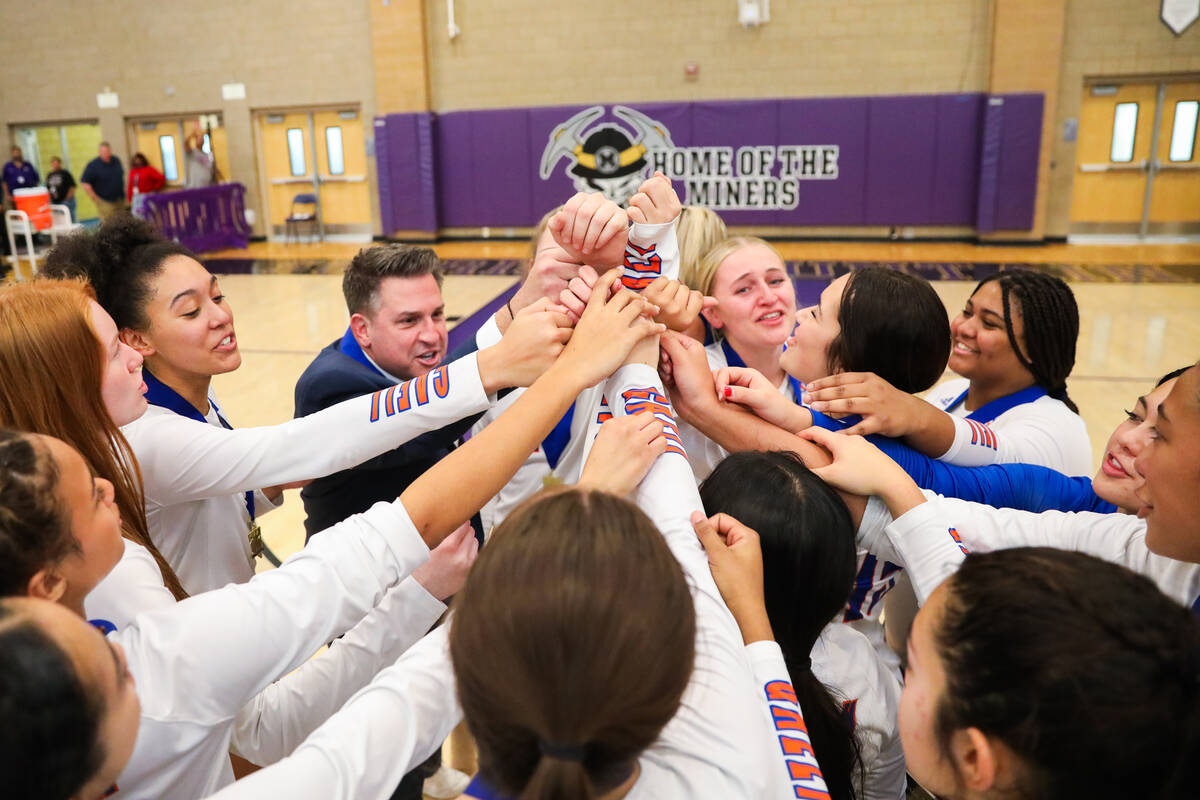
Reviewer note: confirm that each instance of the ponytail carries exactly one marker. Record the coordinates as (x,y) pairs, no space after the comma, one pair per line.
(808,572)
(559,777)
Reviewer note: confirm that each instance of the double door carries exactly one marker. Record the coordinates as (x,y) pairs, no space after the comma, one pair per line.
(1137,166)
(161,140)
(316,152)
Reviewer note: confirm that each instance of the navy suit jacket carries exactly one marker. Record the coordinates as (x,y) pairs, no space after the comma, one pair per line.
(332,377)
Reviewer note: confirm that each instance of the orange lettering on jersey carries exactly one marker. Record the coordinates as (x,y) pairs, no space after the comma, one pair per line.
(402,397)
(796,747)
(422,386)
(375,406)
(803,772)
(807,793)
(787,719)
(441,381)
(387,400)
(958,539)
(780,691)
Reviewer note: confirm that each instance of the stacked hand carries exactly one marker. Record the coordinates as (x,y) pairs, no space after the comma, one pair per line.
(861,468)
(591,230)
(623,452)
(748,387)
(549,273)
(655,202)
(531,344)
(884,408)
(735,559)
(444,574)
(683,366)
(612,324)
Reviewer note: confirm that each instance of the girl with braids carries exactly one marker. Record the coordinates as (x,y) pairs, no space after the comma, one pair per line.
(848,694)
(1014,346)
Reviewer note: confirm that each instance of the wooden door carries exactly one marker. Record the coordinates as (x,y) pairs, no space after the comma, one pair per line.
(1111,170)
(1175,196)
(287,162)
(342,170)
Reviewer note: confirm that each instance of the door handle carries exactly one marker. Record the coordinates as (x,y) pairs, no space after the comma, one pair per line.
(1133,166)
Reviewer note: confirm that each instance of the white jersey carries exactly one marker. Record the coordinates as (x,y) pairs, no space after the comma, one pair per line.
(867,690)
(703,453)
(1043,432)
(134,585)
(933,539)
(742,736)
(196,474)
(198,663)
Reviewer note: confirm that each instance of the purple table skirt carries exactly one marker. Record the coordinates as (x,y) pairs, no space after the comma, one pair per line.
(212,218)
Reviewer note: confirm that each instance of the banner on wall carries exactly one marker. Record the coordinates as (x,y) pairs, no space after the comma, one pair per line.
(614,158)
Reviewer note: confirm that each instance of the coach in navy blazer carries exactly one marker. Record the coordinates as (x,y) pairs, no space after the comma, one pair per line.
(397,332)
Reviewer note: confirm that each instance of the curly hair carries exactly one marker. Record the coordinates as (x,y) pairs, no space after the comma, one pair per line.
(119,261)
(35,530)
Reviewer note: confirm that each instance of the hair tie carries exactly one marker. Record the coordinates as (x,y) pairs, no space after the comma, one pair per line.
(563,752)
(508,305)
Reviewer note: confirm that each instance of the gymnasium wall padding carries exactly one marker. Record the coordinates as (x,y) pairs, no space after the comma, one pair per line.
(922,160)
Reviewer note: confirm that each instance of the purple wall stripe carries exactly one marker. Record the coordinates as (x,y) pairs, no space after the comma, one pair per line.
(950,159)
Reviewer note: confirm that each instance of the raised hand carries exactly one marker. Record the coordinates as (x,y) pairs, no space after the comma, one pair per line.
(884,408)
(680,306)
(684,368)
(578,291)
(608,330)
(735,560)
(550,272)
(623,452)
(655,202)
(592,230)
(444,574)
(749,388)
(859,467)
(531,344)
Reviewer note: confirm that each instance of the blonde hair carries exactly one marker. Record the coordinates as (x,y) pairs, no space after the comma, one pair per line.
(699,230)
(51,369)
(706,270)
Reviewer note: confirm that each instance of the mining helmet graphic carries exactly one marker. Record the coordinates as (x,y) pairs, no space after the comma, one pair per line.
(607,158)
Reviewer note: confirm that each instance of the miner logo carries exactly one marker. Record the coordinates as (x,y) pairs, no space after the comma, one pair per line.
(607,158)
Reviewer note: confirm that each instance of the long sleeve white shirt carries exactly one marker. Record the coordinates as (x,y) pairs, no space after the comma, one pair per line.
(1043,432)
(738,733)
(198,663)
(196,474)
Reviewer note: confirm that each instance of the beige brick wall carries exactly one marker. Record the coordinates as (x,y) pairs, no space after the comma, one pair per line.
(531,52)
(1108,39)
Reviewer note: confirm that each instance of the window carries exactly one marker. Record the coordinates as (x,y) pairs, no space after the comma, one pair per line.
(333,147)
(166,146)
(295,139)
(207,146)
(1124,132)
(1183,132)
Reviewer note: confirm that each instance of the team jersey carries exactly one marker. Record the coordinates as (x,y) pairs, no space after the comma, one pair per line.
(933,539)
(867,690)
(742,736)
(1031,428)
(703,452)
(198,474)
(198,663)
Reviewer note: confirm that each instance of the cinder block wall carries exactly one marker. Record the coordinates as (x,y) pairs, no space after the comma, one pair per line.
(530,53)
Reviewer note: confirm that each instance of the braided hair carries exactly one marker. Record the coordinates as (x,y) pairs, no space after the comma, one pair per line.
(1051,326)
(34,530)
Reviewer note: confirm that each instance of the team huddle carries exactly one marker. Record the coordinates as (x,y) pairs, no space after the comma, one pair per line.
(652,532)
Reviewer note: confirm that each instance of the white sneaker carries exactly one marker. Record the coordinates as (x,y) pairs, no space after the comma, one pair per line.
(446,783)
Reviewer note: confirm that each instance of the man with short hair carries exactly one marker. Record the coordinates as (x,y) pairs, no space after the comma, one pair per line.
(397,332)
(61,184)
(18,174)
(104,181)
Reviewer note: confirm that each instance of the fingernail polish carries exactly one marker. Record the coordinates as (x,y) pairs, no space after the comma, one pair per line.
(729,391)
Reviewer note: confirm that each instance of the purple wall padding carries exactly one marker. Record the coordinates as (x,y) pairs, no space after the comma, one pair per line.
(950,159)
(1010,149)
(405,158)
